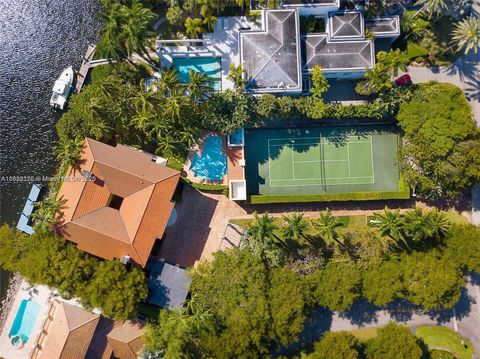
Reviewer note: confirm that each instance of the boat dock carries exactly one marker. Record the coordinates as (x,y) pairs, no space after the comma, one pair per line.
(83,72)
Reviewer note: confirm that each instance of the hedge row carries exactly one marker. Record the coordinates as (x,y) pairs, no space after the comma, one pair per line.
(403,193)
(205,186)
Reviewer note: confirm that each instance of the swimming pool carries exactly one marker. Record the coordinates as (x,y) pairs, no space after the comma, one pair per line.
(212,163)
(24,320)
(209,66)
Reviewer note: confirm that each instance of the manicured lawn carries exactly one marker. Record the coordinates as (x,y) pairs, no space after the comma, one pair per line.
(456,218)
(445,339)
(364,334)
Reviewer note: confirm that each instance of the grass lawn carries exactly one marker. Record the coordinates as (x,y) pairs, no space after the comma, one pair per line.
(364,334)
(456,218)
(445,339)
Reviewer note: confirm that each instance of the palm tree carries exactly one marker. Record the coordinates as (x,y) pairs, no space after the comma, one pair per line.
(294,226)
(391,224)
(194,27)
(174,104)
(168,81)
(236,75)
(263,227)
(328,224)
(431,7)
(68,151)
(111,45)
(261,240)
(418,225)
(137,32)
(209,20)
(47,213)
(198,85)
(466,35)
(439,222)
(166,144)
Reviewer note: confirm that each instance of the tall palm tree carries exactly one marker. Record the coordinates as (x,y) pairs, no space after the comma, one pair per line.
(167,144)
(209,20)
(111,45)
(327,224)
(174,104)
(466,35)
(263,227)
(137,32)
(198,85)
(294,226)
(433,7)
(391,224)
(262,241)
(168,81)
(194,27)
(68,151)
(236,75)
(418,225)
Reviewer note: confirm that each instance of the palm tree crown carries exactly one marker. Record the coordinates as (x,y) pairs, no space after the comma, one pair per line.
(328,224)
(294,226)
(466,35)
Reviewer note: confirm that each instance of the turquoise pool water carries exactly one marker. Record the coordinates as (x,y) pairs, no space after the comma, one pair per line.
(25,319)
(209,66)
(212,163)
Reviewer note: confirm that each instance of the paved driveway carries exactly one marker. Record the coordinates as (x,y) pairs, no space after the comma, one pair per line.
(464,318)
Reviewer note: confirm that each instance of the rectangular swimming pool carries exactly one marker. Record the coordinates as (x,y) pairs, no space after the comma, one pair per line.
(209,66)
(25,319)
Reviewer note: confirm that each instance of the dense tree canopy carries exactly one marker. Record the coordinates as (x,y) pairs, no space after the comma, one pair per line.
(393,341)
(336,345)
(247,309)
(44,258)
(337,286)
(441,151)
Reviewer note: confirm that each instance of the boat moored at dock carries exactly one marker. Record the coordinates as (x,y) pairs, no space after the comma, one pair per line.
(61,88)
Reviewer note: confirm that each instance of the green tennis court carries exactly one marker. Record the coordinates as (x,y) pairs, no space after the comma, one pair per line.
(321,160)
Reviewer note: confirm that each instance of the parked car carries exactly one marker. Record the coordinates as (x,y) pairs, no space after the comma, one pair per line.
(404,80)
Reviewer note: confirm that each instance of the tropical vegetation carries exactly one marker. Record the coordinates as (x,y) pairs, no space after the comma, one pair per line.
(45,258)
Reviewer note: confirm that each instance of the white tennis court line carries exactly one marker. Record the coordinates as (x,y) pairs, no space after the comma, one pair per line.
(319,162)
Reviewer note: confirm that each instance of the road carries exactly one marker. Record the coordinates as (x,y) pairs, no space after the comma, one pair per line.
(465,317)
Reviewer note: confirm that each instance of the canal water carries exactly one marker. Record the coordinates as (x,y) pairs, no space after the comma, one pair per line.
(38,39)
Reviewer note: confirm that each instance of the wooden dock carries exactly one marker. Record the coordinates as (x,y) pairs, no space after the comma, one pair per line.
(83,72)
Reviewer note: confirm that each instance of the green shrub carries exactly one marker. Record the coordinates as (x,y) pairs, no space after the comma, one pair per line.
(403,193)
(206,186)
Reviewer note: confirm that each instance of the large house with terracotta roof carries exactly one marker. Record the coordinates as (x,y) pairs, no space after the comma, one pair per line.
(117,201)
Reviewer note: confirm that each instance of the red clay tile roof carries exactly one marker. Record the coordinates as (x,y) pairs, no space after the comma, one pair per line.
(69,333)
(145,187)
(126,340)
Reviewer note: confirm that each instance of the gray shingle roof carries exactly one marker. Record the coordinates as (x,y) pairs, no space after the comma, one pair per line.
(384,25)
(168,285)
(345,25)
(336,55)
(271,57)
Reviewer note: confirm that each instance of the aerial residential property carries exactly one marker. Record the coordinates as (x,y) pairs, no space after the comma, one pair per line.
(121,204)
(240,179)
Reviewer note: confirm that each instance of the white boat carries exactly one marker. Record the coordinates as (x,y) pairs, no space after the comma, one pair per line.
(61,88)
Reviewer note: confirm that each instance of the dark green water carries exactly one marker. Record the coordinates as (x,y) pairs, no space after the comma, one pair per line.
(38,39)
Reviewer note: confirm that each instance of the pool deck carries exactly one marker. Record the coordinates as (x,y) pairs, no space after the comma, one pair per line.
(41,295)
(234,170)
(197,148)
(222,43)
